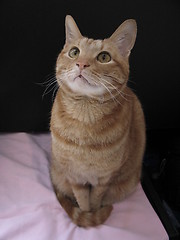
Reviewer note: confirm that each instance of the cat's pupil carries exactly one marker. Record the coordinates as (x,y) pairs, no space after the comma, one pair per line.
(104,56)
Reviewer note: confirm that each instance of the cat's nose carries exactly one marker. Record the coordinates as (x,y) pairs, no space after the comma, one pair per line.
(82,65)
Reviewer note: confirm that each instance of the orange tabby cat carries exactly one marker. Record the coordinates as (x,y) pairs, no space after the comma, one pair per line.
(97,125)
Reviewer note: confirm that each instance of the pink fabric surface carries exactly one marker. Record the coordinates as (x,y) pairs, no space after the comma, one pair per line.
(29,209)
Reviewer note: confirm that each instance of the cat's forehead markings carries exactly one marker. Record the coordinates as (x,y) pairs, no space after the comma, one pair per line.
(99,44)
(91,43)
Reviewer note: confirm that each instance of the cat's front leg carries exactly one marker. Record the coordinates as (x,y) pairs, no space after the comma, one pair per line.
(96,196)
(81,193)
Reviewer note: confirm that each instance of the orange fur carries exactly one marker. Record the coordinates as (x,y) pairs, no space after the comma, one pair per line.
(97,125)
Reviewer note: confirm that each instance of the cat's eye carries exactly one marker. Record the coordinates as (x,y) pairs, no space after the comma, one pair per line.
(104,57)
(74,52)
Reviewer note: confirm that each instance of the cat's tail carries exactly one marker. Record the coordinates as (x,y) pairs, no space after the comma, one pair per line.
(81,218)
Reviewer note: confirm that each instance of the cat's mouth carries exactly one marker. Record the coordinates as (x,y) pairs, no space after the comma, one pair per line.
(84,85)
(82,79)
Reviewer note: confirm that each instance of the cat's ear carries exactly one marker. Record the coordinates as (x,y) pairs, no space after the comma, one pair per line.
(124,37)
(72,30)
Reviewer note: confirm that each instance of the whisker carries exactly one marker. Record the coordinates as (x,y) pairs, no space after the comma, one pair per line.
(118,90)
(117,81)
(54,92)
(111,95)
(99,78)
(52,81)
(49,88)
(114,88)
(111,86)
(51,84)
(48,79)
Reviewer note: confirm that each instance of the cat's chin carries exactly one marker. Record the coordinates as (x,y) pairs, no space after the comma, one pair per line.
(82,86)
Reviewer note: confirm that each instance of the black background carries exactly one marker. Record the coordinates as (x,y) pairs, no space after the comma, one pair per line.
(32,35)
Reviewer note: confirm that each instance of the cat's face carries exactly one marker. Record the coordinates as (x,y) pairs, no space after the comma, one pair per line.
(95,67)
(89,67)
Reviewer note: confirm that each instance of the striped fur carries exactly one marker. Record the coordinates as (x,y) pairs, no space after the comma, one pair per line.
(97,126)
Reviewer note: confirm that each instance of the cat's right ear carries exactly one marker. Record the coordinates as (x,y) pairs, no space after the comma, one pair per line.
(72,30)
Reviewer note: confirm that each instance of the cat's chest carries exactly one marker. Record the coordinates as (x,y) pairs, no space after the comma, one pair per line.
(85,173)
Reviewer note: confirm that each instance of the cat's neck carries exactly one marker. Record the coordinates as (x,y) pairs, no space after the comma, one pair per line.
(88,110)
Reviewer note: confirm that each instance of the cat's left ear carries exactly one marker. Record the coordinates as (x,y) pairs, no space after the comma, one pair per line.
(124,37)
(72,30)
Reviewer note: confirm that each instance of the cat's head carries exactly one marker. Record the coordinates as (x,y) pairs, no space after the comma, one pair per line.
(95,67)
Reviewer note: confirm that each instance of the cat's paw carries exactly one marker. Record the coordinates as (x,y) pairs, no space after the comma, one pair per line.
(95,205)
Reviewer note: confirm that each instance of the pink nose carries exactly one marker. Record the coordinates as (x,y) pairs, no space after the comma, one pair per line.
(82,65)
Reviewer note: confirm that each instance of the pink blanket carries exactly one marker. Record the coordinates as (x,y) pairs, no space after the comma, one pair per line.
(29,209)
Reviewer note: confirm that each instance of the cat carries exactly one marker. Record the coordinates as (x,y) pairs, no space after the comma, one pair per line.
(97,125)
